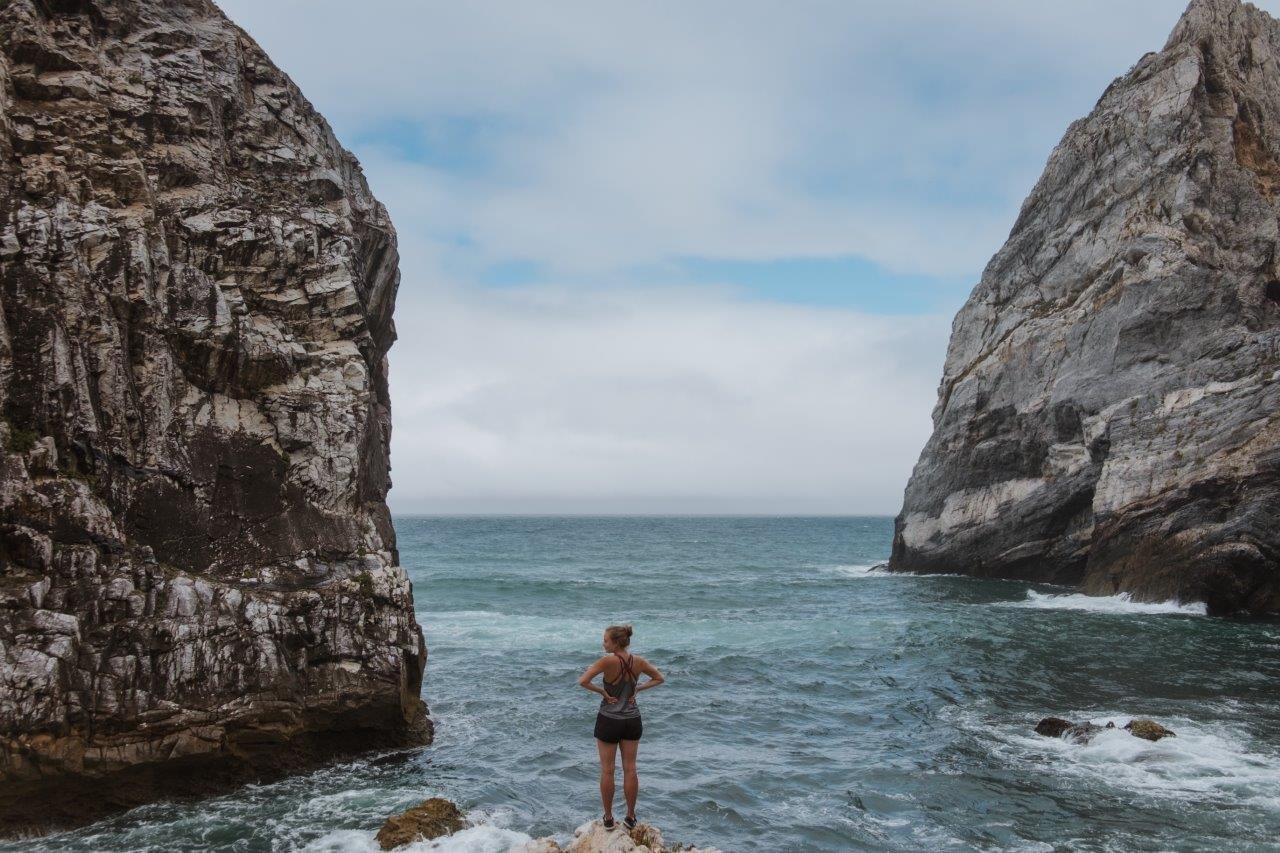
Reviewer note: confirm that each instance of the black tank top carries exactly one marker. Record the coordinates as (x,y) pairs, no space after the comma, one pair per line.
(621,701)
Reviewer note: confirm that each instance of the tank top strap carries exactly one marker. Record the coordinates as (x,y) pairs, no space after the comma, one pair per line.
(628,672)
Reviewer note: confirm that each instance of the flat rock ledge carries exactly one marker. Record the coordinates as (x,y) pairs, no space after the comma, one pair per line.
(592,837)
(437,817)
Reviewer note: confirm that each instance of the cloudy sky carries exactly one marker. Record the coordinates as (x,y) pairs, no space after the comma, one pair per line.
(692,256)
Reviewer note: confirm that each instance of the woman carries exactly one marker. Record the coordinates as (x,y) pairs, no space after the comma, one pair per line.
(618,723)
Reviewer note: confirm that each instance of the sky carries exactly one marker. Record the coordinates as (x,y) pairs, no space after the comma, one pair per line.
(688,257)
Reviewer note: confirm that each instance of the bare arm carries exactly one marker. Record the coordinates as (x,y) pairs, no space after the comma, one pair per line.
(655,677)
(591,672)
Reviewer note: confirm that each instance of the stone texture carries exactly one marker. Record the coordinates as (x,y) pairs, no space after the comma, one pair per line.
(592,837)
(1148,730)
(429,819)
(198,575)
(1109,411)
(1083,733)
(1053,727)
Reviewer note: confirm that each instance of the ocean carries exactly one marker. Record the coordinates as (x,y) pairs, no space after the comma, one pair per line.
(813,703)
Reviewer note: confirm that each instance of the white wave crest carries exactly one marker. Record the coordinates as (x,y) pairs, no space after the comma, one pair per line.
(483,838)
(1104,604)
(861,571)
(1201,762)
(878,570)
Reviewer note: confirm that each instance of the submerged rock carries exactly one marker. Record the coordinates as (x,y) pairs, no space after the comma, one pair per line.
(429,819)
(1080,733)
(1148,730)
(1103,418)
(199,582)
(1083,733)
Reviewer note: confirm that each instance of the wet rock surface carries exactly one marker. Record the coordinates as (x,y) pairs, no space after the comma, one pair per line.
(1053,727)
(1080,733)
(1107,415)
(1083,733)
(429,819)
(437,817)
(199,583)
(1148,730)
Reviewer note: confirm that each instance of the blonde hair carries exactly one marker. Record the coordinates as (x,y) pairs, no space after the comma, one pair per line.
(619,634)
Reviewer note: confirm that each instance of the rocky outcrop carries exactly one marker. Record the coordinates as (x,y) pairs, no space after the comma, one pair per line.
(430,819)
(198,575)
(1109,411)
(1148,730)
(437,817)
(594,838)
(1058,727)
(1080,733)
(1083,733)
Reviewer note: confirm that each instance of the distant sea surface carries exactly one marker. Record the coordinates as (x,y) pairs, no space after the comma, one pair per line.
(812,703)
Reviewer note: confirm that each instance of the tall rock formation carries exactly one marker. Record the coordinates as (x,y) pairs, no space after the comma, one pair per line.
(1109,412)
(198,576)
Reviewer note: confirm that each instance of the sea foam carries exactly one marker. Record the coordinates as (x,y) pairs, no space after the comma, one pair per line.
(879,570)
(861,571)
(483,838)
(1121,604)
(1202,762)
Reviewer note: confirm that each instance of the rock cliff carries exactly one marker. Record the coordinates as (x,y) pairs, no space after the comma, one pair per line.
(199,583)
(1109,411)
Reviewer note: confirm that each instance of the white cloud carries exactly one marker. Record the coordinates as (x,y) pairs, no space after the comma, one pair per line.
(650,399)
(629,131)
(604,137)
(642,398)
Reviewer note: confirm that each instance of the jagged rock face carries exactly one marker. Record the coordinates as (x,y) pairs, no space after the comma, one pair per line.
(1109,412)
(198,575)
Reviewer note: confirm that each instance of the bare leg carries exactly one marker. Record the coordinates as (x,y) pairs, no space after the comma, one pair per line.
(630,779)
(607,753)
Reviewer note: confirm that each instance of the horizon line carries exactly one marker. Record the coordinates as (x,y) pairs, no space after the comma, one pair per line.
(635,515)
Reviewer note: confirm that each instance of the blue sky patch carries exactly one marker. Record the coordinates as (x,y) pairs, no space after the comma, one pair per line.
(844,282)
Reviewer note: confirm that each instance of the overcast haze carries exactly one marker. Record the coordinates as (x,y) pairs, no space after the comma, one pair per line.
(695,256)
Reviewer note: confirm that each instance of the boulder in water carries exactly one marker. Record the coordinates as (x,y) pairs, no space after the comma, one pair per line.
(429,819)
(1053,726)
(1082,733)
(1148,730)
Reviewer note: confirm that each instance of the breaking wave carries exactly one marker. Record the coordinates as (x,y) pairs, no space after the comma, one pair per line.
(1204,763)
(1121,603)
(476,839)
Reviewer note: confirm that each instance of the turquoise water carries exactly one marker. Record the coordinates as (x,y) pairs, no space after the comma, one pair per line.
(811,704)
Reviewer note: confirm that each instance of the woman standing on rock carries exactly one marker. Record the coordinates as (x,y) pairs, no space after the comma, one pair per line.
(618,723)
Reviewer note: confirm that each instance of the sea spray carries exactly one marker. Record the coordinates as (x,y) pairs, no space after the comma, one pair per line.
(1121,604)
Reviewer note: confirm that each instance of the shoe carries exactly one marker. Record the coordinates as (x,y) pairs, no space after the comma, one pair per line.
(630,822)
(608,823)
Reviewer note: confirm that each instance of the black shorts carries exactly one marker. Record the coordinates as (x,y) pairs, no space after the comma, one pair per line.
(611,730)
